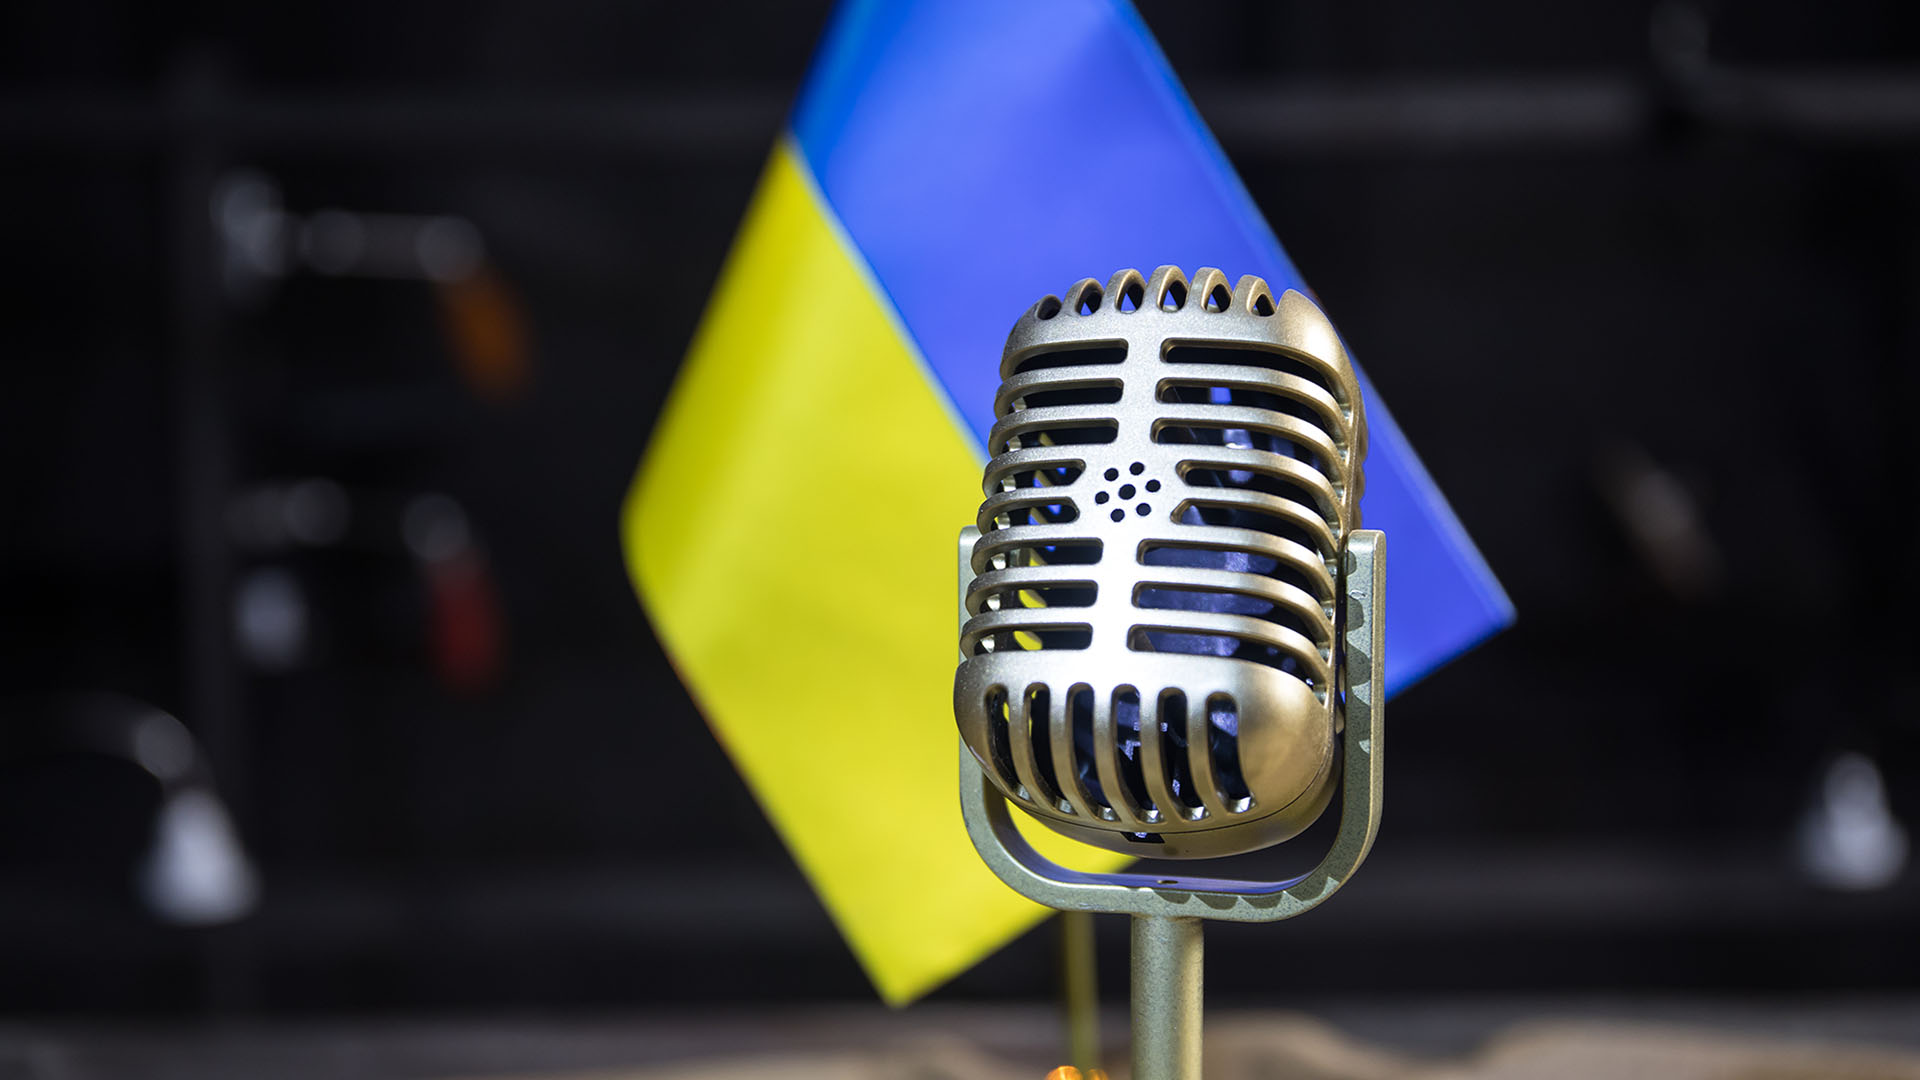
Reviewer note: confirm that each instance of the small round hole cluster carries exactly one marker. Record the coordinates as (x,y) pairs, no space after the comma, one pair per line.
(1127,492)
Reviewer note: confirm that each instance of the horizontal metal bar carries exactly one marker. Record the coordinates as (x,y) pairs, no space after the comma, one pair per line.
(1443,116)
(740,124)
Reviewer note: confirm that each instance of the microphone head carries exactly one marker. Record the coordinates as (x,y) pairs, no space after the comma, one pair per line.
(1151,655)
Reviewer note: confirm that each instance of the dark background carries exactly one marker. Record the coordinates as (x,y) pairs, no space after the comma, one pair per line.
(1640,284)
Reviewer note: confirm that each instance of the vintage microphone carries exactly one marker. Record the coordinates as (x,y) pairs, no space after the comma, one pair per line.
(1171,621)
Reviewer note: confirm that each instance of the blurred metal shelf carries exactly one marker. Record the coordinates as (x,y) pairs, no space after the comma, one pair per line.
(1431,116)
(639,124)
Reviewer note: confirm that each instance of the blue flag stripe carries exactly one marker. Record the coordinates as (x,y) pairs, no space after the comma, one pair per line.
(984,153)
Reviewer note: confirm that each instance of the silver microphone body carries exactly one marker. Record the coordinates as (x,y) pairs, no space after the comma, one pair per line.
(1151,657)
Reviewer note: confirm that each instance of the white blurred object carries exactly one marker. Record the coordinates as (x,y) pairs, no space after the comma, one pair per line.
(352,243)
(253,230)
(448,248)
(435,528)
(262,242)
(316,512)
(1849,838)
(196,873)
(163,747)
(270,618)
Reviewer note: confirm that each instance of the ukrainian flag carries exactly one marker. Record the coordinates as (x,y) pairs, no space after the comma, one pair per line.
(791,528)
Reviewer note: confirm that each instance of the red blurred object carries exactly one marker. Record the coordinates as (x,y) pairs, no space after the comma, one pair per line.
(466,633)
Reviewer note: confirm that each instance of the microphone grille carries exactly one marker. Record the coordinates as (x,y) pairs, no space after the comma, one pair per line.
(1150,657)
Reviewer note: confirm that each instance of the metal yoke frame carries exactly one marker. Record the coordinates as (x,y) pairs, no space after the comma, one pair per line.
(1166,911)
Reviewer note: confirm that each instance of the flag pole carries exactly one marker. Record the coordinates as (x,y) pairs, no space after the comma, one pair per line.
(1080,989)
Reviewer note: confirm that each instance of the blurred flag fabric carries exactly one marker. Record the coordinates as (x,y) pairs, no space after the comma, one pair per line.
(791,528)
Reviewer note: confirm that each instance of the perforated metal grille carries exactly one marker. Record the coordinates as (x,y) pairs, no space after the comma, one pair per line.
(1175,467)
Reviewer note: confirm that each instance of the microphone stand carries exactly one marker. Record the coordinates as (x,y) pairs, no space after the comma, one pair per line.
(1167,978)
(1166,911)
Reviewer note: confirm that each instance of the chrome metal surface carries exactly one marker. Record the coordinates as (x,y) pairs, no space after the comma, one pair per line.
(1150,653)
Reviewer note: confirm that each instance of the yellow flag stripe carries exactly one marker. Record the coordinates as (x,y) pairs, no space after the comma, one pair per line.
(809,605)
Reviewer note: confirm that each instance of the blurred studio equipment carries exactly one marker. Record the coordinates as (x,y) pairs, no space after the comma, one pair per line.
(194,871)
(1173,625)
(262,242)
(429,533)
